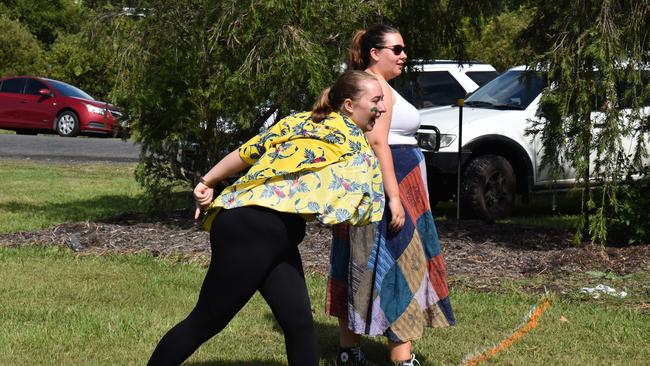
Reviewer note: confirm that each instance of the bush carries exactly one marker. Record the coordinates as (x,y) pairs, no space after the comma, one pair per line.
(85,60)
(20,52)
(630,223)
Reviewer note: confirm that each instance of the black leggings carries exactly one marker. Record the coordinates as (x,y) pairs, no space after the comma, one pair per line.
(253,249)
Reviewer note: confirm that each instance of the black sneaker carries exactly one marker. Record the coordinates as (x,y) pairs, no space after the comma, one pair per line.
(352,357)
(411,362)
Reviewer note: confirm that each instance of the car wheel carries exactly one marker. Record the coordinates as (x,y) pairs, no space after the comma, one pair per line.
(67,124)
(488,189)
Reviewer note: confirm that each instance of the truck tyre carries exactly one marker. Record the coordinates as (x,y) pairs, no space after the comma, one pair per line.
(488,188)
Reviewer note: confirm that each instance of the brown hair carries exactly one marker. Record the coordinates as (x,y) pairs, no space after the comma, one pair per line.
(348,85)
(363,41)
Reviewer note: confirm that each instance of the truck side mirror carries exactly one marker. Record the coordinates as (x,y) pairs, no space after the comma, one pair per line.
(429,140)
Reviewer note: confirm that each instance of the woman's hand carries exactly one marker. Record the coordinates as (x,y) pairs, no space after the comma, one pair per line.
(203,196)
(229,165)
(397,215)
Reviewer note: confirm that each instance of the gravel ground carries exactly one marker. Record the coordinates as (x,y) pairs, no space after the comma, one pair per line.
(481,251)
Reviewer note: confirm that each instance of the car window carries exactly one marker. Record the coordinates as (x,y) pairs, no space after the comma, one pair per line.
(68,90)
(33,86)
(13,85)
(437,88)
(512,90)
(482,77)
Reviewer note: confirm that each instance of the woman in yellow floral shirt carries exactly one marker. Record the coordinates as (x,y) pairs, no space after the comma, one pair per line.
(312,165)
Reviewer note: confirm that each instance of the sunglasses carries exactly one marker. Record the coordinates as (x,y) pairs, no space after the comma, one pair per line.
(397,49)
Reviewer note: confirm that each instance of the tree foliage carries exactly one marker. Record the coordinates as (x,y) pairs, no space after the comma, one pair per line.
(46,19)
(595,54)
(61,40)
(496,45)
(437,29)
(87,58)
(211,73)
(20,52)
(208,74)
(204,75)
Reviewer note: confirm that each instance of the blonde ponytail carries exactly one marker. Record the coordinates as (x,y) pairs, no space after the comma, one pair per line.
(348,86)
(322,107)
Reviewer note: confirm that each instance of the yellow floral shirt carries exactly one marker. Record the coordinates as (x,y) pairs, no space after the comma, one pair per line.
(325,171)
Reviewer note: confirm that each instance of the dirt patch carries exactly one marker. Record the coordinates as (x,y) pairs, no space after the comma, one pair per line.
(483,252)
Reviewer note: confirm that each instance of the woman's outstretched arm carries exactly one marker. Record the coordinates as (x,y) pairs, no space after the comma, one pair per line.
(203,192)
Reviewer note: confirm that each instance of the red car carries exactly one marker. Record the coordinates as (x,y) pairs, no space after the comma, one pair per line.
(29,105)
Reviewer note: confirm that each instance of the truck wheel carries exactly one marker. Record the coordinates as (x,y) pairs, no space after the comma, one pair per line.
(488,189)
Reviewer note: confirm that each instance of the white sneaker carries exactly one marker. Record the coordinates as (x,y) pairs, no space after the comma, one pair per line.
(411,362)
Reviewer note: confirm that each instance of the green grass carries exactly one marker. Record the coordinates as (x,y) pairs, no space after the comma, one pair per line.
(7,132)
(37,195)
(60,309)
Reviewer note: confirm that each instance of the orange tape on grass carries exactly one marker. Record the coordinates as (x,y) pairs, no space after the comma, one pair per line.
(531,324)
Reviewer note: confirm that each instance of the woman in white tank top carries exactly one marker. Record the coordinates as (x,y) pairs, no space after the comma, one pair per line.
(389,278)
(405,122)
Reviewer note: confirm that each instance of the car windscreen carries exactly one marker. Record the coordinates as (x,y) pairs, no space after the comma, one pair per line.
(511,90)
(68,90)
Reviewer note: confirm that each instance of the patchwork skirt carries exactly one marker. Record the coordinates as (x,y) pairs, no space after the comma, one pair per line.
(392,283)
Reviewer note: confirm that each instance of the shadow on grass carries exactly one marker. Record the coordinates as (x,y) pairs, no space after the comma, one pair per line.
(233,363)
(328,335)
(102,207)
(374,348)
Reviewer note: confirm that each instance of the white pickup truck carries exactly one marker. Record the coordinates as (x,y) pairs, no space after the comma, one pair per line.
(498,158)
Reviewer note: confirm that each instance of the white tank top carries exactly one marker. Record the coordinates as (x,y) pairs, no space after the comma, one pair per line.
(404,123)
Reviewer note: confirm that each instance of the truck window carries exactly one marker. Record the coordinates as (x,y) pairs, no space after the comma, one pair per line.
(482,77)
(437,88)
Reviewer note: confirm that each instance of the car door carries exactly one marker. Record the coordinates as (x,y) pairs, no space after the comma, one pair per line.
(37,110)
(10,99)
(635,121)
